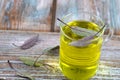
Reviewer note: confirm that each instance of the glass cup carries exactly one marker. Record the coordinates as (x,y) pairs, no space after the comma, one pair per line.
(80,62)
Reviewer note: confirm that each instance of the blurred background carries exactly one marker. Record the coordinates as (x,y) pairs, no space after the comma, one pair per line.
(40,15)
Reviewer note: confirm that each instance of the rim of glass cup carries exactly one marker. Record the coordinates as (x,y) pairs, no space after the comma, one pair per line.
(90,14)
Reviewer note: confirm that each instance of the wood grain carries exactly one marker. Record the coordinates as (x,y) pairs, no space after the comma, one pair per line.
(109,68)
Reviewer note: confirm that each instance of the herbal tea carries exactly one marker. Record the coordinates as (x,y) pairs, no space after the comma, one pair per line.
(79,63)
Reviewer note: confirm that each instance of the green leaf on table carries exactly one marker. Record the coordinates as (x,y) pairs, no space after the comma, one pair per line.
(30,61)
(82,31)
(20,74)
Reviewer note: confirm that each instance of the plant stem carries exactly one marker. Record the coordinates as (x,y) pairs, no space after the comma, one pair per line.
(101,29)
(38,58)
(69,26)
(81,30)
(63,22)
(19,73)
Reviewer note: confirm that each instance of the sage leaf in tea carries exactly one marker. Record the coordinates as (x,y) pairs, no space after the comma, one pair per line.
(82,31)
(79,43)
(89,38)
(86,40)
(79,30)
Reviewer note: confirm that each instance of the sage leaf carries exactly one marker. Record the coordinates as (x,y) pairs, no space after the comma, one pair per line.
(29,42)
(86,40)
(52,51)
(79,43)
(20,74)
(83,42)
(30,61)
(89,35)
(82,31)
(78,30)
(27,60)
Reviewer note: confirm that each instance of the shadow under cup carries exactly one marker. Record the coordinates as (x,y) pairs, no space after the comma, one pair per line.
(80,63)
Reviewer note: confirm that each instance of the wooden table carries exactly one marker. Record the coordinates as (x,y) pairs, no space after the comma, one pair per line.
(109,68)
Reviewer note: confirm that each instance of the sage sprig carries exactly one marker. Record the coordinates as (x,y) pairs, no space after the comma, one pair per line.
(88,35)
(39,63)
(20,74)
(79,30)
(86,40)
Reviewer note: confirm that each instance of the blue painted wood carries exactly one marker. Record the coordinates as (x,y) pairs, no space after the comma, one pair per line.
(37,12)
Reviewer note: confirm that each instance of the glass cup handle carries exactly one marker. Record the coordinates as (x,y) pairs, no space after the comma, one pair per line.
(109,35)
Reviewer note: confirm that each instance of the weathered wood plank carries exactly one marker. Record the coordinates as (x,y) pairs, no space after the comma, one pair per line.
(109,68)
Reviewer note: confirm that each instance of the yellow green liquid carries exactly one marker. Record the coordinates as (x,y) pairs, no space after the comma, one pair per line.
(79,63)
